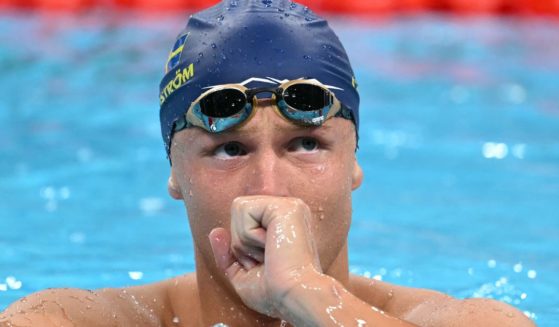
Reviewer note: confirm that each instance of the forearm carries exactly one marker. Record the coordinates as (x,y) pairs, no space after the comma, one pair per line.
(320,300)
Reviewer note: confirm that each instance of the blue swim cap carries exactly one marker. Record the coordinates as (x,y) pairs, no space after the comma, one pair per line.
(245,40)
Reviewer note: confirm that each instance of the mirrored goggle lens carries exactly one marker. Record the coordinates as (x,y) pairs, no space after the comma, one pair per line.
(223,103)
(307,97)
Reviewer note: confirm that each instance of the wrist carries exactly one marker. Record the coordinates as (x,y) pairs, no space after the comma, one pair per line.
(302,304)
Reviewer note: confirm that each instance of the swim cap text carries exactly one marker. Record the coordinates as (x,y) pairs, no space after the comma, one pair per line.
(181,77)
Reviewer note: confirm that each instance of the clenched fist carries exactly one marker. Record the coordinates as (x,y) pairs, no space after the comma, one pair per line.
(269,251)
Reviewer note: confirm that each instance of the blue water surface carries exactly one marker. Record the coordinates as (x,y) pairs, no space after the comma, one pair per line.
(459,144)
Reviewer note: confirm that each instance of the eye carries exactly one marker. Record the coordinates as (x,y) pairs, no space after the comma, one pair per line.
(304,144)
(229,150)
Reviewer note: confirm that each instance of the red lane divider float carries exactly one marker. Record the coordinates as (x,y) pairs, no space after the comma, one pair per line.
(476,6)
(353,7)
(165,5)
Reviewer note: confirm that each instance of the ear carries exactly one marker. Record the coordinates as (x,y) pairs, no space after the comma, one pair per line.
(173,188)
(356,176)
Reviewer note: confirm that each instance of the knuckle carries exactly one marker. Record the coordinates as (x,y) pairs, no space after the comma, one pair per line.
(299,204)
(244,236)
(237,202)
(297,201)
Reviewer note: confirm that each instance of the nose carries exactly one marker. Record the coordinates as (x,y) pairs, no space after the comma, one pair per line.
(268,175)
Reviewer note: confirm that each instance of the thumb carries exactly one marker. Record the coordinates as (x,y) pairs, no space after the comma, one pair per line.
(220,241)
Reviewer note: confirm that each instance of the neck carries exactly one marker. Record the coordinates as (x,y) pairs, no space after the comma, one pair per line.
(220,303)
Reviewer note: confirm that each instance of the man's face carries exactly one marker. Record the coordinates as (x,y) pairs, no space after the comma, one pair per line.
(268,156)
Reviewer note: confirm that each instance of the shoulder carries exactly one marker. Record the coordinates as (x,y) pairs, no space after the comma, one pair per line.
(431,308)
(144,305)
(61,307)
(467,312)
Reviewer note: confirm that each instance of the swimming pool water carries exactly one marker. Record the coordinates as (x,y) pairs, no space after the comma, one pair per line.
(459,145)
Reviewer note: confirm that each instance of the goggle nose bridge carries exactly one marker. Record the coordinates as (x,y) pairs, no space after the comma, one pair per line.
(251,93)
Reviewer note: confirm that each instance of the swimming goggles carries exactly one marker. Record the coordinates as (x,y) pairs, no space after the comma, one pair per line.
(305,102)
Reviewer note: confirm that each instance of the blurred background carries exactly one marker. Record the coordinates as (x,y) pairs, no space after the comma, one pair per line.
(459,144)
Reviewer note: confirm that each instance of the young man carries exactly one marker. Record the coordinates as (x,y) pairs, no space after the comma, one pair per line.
(259,114)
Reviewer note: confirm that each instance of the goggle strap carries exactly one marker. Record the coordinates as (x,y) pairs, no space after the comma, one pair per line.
(344,112)
(348,114)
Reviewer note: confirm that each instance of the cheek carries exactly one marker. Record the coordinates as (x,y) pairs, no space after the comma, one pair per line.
(330,182)
(208,199)
(331,205)
(330,201)
(327,192)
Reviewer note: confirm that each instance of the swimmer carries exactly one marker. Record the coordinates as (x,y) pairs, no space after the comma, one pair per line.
(259,116)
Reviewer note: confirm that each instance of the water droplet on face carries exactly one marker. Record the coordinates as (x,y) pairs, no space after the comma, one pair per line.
(510,315)
(176,320)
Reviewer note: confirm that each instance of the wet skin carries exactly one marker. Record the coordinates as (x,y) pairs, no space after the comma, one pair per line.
(269,206)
